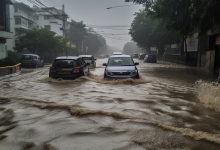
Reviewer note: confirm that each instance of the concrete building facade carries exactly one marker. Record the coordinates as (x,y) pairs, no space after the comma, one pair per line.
(5,27)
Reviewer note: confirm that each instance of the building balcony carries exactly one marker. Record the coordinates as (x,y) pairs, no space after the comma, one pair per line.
(19,14)
(6,35)
(20,26)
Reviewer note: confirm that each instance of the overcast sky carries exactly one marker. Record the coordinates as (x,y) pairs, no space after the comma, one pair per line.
(94,13)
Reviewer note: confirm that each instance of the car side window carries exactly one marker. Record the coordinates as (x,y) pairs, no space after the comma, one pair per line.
(83,61)
(35,57)
(79,62)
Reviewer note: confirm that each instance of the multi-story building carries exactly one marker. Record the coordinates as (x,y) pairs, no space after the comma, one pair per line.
(51,18)
(5,32)
(24,18)
(21,20)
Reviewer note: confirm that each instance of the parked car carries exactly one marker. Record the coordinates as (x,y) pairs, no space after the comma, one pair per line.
(134,55)
(89,59)
(117,53)
(150,58)
(121,67)
(141,56)
(31,60)
(68,67)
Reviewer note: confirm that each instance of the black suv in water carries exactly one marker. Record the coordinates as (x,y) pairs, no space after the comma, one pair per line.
(68,67)
(31,60)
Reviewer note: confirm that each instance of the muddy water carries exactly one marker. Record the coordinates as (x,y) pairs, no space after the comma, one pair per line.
(169,107)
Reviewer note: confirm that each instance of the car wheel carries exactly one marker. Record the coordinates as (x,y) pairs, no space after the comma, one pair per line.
(137,76)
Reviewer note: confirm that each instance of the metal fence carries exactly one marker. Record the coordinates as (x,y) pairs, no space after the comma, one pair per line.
(191,61)
(10,69)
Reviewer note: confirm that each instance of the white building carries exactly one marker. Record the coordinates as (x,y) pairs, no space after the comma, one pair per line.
(5,32)
(50,18)
(21,20)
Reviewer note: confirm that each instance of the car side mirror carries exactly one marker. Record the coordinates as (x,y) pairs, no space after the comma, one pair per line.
(104,64)
(136,63)
(87,64)
(95,59)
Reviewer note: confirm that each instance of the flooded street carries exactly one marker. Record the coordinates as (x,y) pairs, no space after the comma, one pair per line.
(170,107)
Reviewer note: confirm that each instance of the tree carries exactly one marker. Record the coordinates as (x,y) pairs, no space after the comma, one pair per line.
(130,48)
(78,35)
(175,13)
(41,41)
(93,42)
(77,32)
(205,14)
(149,32)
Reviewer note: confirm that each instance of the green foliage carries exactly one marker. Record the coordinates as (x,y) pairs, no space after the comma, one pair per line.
(79,33)
(41,41)
(130,48)
(149,32)
(205,14)
(11,60)
(185,16)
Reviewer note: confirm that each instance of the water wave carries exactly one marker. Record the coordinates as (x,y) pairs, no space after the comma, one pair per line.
(208,93)
(79,111)
(97,79)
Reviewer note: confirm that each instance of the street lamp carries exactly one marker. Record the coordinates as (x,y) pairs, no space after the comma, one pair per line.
(119,6)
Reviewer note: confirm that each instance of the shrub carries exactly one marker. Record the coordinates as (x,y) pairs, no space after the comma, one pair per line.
(11,60)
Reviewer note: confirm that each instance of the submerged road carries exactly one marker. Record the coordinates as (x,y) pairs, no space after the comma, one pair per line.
(170,107)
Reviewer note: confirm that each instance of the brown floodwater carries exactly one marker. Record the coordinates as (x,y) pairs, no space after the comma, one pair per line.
(171,106)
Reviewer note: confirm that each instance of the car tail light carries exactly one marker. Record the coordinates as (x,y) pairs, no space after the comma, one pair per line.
(52,69)
(77,69)
(33,60)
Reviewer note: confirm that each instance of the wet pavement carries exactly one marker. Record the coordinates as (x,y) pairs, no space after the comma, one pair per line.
(170,107)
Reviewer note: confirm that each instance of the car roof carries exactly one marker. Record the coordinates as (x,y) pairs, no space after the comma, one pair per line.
(30,54)
(117,53)
(85,55)
(120,56)
(68,57)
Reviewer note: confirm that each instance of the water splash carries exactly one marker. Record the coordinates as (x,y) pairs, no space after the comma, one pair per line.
(97,79)
(208,93)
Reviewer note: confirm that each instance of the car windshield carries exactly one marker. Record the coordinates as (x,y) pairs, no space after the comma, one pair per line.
(87,58)
(27,57)
(120,61)
(65,63)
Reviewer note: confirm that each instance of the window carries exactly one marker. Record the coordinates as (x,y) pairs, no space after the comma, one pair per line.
(47,27)
(46,17)
(18,21)
(2,15)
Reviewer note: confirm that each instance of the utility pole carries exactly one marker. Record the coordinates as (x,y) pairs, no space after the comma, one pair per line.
(64,23)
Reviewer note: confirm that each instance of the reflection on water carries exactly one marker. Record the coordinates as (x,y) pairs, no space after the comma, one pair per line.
(167,108)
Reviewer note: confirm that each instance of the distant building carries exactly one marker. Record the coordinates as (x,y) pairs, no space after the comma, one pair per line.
(51,18)
(5,30)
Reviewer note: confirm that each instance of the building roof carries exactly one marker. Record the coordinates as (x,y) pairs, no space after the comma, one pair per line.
(23,5)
